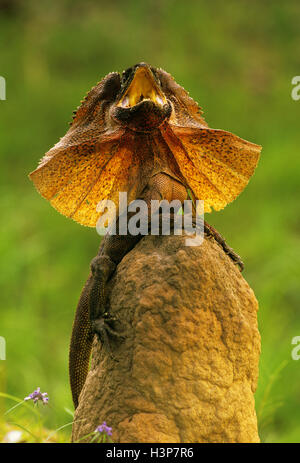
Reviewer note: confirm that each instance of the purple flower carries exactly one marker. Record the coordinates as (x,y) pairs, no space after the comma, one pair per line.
(104,428)
(38,395)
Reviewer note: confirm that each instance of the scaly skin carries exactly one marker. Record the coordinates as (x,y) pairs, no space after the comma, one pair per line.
(139,133)
(92,302)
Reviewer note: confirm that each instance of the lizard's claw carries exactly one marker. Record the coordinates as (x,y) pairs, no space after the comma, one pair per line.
(104,323)
(103,329)
(235,258)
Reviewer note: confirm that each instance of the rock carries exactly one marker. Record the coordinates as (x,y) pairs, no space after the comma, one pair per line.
(188,366)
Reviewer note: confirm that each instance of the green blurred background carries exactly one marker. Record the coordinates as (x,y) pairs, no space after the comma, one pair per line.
(237,59)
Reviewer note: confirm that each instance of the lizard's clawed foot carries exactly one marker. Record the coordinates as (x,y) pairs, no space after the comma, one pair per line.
(234,257)
(210,231)
(102,321)
(103,328)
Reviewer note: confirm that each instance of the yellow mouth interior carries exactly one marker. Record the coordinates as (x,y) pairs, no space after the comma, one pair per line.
(142,87)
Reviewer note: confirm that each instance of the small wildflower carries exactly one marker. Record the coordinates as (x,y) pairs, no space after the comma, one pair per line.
(103,428)
(38,395)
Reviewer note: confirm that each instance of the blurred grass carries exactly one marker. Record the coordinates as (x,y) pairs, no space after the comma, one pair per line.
(237,60)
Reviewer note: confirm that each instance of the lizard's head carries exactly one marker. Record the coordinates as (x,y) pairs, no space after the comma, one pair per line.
(142,98)
(141,104)
(105,152)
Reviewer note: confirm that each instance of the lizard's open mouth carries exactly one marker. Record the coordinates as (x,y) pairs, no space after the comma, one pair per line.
(143,87)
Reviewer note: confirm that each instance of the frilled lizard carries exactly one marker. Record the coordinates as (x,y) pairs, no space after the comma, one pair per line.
(139,133)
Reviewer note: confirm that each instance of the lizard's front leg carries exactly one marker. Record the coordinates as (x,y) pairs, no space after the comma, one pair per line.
(112,251)
(102,268)
(211,231)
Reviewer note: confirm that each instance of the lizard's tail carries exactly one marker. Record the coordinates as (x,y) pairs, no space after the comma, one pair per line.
(80,346)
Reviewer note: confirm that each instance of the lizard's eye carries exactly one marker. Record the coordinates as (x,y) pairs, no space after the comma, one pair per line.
(126,74)
(156,75)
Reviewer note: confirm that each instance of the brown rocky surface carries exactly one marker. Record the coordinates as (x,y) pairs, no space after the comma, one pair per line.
(188,366)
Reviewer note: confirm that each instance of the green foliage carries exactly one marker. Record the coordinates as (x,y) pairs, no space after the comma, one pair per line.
(237,59)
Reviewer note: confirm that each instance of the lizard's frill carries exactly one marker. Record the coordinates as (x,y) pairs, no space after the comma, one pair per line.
(216,165)
(74,178)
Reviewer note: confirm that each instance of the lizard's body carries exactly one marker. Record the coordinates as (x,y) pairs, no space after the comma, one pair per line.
(91,306)
(143,135)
